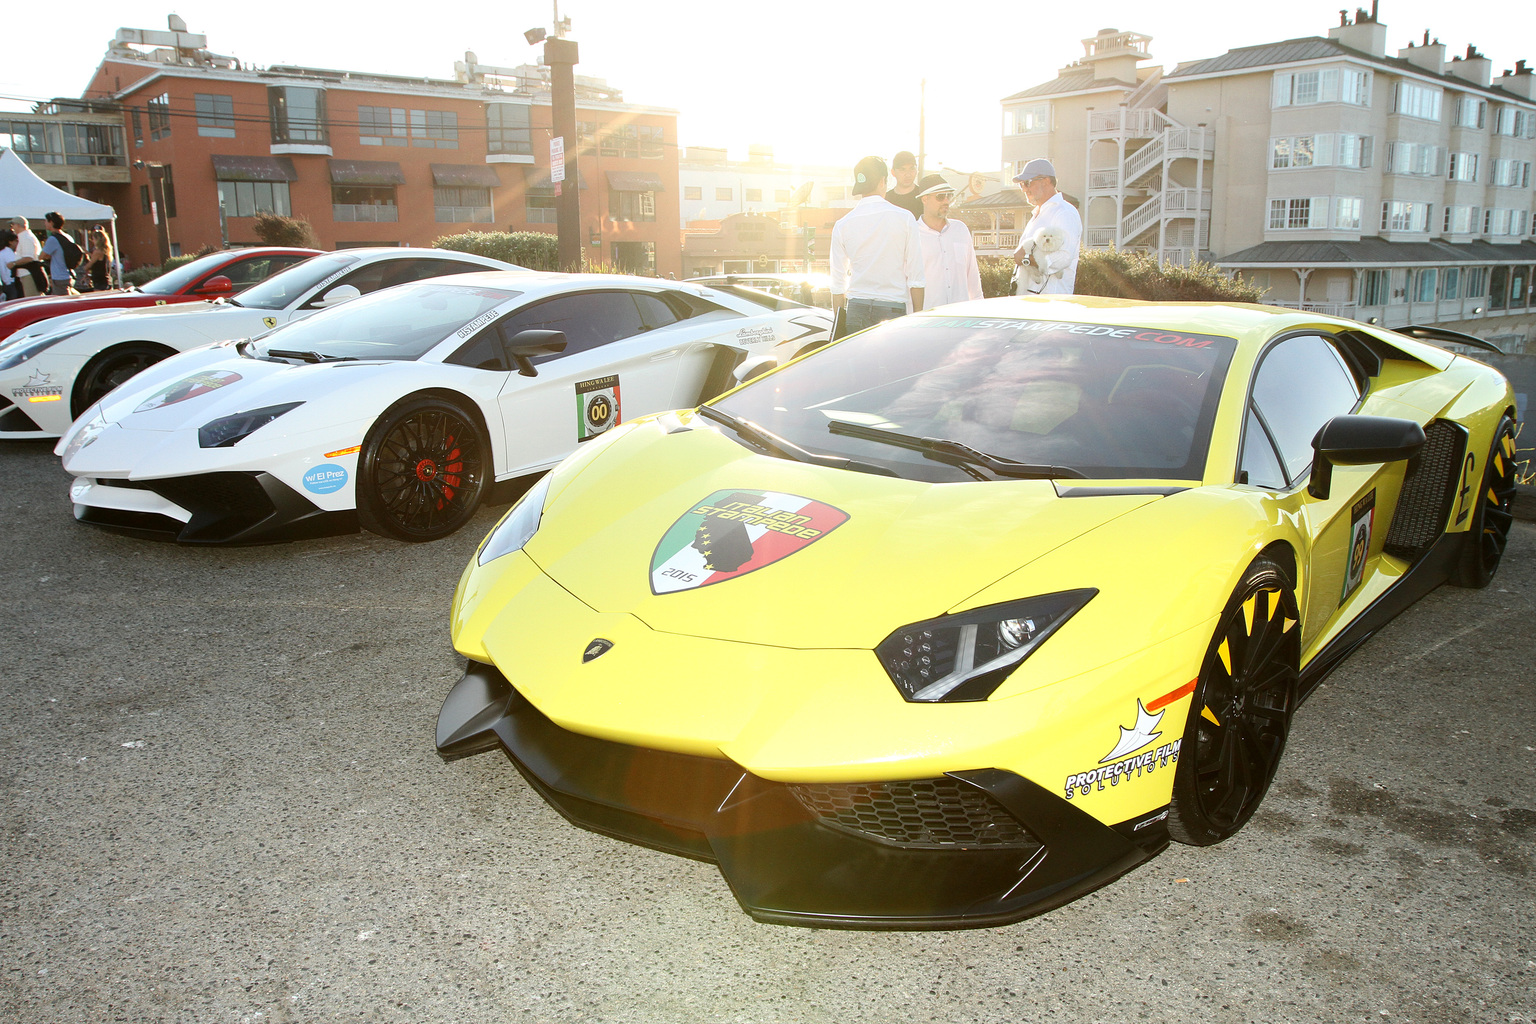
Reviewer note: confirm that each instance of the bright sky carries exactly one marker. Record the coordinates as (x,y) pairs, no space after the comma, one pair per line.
(821,82)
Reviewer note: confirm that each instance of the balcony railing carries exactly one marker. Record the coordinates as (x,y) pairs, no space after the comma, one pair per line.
(1104,180)
(988,240)
(364,213)
(463,214)
(1131,123)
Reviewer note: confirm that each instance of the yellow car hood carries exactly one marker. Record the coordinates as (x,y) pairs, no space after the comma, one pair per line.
(890,552)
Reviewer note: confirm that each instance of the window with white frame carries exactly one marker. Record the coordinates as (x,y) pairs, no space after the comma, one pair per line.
(1030,120)
(1416,158)
(1425,285)
(1417,100)
(1475,283)
(1461,220)
(1325,150)
(1400,215)
(248,198)
(1375,287)
(1471,112)
(160,116)
(1450,283)
(1294,214)
(1512,173)
(1517,123)
(1463,167)
(1326,85)
(1346,212)
(382,126)
(1499,222)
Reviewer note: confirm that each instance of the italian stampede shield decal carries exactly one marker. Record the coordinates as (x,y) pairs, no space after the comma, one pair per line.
(732,533)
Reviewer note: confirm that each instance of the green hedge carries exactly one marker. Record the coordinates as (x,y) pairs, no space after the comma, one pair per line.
(535,250)
(1133,275)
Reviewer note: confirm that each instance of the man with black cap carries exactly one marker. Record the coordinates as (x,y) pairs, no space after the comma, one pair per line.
(876,258)
(950,273)
(904,195)
(1050,241)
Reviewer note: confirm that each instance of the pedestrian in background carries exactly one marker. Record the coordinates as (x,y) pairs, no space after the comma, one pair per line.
(904,195)
(950,271)
(1054,220)
(27,266)
(98,265)
(876,258)
(8,289)
(56,253)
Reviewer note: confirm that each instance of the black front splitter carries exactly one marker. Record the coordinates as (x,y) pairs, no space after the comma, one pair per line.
(785,863)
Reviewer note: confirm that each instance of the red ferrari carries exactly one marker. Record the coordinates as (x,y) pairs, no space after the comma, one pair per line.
(207,277)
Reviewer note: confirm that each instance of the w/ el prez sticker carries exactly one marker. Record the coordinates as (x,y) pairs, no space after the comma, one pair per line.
(732,533)
(1362,516)
(597,407)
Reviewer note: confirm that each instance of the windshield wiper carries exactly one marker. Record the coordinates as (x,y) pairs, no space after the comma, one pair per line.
(788,449)
(955,453)
(308,357)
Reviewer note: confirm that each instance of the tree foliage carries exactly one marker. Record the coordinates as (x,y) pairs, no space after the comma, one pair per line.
(275,229)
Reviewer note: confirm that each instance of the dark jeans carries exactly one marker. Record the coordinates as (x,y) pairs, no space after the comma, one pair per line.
(864,313)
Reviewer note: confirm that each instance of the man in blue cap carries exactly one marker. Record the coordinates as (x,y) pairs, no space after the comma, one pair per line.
(1048,246)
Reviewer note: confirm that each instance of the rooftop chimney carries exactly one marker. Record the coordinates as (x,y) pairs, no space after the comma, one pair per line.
(1365,33)
(1474,67)
(1430,56)
(1520,81)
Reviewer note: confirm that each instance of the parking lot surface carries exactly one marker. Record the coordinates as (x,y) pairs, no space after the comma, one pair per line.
(221,803)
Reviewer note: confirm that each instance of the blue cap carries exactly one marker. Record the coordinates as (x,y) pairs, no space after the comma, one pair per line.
(1036,168)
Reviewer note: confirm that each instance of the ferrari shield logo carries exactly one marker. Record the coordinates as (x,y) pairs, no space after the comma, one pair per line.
(597,407)
(732,533)
(270,321)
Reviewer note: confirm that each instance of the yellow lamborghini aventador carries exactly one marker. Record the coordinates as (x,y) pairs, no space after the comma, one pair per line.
(956,619)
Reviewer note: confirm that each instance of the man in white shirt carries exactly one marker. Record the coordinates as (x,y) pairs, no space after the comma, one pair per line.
(1054,220)
(877,261)
(950,272)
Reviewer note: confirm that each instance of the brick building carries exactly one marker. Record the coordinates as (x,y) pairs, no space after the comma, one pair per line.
(372,159)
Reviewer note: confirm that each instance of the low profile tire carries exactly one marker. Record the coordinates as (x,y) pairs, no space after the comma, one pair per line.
(421,473)
(110,369)
(1489,532)
(1241,712)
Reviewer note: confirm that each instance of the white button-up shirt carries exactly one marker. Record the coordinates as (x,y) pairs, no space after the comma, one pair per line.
(1060,266)
(950,272)
(876,253)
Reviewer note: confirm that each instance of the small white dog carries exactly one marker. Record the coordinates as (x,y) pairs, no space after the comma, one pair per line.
(1030,280)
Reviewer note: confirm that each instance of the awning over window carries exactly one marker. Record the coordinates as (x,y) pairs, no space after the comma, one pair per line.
(634,181)
(253,168)
(465,176)
(365,172)
(536,180)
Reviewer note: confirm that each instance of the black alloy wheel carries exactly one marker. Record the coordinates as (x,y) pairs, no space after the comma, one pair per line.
(1489,531)
(1241,712)
(111,369)
(421,473)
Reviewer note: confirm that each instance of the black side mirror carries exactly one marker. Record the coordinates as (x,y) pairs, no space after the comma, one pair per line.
(518,349)
(1360,441)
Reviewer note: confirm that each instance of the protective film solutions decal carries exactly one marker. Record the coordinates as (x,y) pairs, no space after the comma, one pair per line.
(1130,757)
(327,478)
(1362,516)
(732,533)
(39,388)
(188,387)
(597,407)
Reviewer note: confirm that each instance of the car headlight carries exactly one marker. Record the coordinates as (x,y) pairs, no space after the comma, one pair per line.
(85,431)
(229,430)
(518,526)
(28,348)
(967,656)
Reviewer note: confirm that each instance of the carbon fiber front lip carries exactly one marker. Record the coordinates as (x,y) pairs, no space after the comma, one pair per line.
(782,863)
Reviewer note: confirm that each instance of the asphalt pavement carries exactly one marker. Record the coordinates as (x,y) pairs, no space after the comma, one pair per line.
(221,803)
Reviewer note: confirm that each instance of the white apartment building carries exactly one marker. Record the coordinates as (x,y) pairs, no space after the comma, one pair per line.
(1391,189)
(715,187)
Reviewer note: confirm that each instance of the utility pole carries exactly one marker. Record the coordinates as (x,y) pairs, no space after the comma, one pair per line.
(560,56)
(922,125)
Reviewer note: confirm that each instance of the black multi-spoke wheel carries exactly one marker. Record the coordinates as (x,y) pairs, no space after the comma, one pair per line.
(421,472)
(1242,709)
(110,369)
(1493,517)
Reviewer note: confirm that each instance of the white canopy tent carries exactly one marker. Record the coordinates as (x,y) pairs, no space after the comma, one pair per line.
(23,193)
